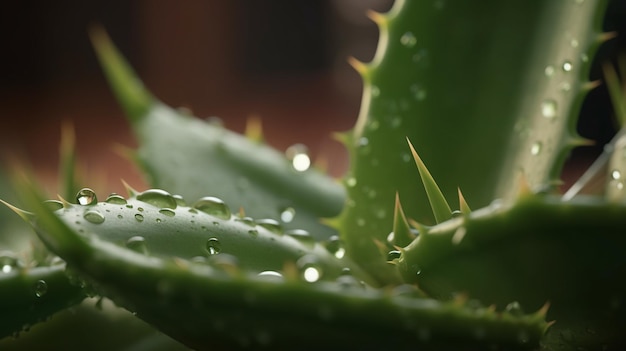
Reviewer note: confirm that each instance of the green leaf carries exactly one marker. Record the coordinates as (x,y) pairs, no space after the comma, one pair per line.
(194,158)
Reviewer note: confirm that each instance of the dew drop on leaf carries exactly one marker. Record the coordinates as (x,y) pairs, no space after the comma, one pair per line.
(115,199)
(213,206)
(167,212)
(271,275)
(270,224)
(8,261)
(139,217)
(535,148)
(137,243)
(548,108)
(616,174)
(309,268)
(567,66)
(94,217)
(393,255)
(41,288)
(549,71)
(86,196)
(213,246)
(158,198)
(300,235)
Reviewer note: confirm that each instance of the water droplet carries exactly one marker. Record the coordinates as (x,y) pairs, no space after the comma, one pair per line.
(616,174)
(535,148)
(86,196)
(393,255)
(8,261)
(567,66)
(287,214)
(574,43)
(53,205)
(115,199)
(129,206)
(549,71)
(301,235)
(375,91)
(311,272)
(548,108)
(391,237)
(140,209)
(456,213)
(271,275)
(158,198)
(270,224)
(139,217)
(167,212)
(94,217)
(565,87)
(335,247)
(253,232)
(213,246)
(119,216)
(514,309)
(41,288)
(213,206)
(158,220)
(406,157)
(298,155)
(373,125)
(363,141)
(418,92)
(408,39)
(137,243)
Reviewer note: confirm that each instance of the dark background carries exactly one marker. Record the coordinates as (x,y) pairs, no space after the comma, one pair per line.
(281,60)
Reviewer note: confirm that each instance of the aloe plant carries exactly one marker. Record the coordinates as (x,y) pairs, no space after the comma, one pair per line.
(238,246)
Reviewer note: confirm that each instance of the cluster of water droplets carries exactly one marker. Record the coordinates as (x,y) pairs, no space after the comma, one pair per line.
(308,265)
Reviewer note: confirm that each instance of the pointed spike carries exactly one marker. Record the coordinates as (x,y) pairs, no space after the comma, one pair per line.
(358,66)
(603,37)
(377,17)
(463,206)
(254,129)
(129,90)
(129,190)
(543,311)
(24,215)
(438,202)
(589,86)
(382,248)
(548,325)
(580,141)
(523,187)
(66,204)
(401,231)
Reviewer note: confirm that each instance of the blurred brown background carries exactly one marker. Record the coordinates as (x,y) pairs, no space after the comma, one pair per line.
(281,60)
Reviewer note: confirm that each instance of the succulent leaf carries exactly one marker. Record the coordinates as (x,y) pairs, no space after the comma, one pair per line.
(204,305)
(534,250)
(480,105)
(31,295)
(191,157)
